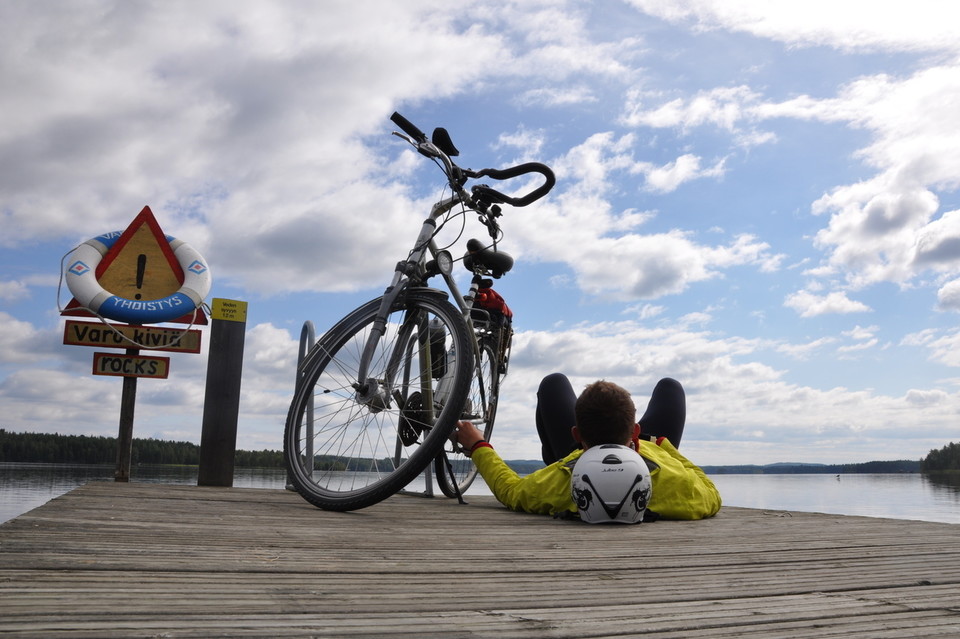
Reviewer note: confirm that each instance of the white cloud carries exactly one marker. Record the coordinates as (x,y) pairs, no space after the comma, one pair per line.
(249,124)
(807,350)
(669,177)
(736,110)
(644,311)
(722,107)
(22,342)
(611,261)
(557,96)
(273,350)
(13,290)
(948,297)
(631,219)
(861,332)
(943,345)
(632,266)
(938,243)
(925,25)
(883,228)
(808,304)
(923,398)
(588,167)
(860,346)
(528,142)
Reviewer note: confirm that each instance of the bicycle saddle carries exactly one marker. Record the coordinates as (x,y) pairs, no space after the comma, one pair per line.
(497,262)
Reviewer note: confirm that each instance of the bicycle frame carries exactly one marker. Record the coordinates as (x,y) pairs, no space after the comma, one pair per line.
(370,391)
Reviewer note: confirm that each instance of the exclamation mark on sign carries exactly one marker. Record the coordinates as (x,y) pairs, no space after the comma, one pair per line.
(141,267)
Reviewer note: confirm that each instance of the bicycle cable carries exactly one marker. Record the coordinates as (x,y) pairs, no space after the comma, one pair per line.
(449,215)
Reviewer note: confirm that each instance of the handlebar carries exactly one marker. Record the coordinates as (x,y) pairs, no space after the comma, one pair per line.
(482,193)
(408,127)
(492,196)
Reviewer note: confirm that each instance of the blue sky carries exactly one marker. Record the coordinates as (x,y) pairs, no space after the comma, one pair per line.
(758,199)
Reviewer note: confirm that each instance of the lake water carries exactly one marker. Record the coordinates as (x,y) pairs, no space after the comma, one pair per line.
(23,487)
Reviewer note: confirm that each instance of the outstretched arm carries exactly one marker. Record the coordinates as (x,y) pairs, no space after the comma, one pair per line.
(468,436)
(546,491)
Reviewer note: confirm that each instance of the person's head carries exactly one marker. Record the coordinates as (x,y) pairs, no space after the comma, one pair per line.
(605,414)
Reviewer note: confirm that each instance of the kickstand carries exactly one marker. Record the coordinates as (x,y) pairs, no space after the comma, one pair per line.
(453,478)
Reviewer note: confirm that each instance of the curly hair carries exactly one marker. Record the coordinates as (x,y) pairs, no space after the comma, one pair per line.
(605,414)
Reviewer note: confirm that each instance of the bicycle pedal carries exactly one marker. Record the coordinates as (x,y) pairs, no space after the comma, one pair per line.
(411,423)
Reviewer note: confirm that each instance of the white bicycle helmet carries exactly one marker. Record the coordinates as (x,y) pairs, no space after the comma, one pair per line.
(611,484)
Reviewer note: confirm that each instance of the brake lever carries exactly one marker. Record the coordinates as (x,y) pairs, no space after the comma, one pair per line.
(404,137)
(425,148)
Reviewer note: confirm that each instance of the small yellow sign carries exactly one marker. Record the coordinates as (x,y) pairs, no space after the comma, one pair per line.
(229,310)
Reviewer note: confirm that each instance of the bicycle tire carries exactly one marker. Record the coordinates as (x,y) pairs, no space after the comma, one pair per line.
(481,409)
(358,452)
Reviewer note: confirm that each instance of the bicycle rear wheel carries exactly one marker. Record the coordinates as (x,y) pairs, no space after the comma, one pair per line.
(367,439)
(481,409)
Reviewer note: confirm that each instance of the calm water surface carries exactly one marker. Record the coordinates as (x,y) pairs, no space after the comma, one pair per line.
(901,496)
(23,487)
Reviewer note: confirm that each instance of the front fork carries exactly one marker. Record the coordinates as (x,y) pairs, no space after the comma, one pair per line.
(371,392)
(382,394)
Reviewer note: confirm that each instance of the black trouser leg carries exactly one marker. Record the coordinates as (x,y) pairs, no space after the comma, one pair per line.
(665,416)
(666,412)
(555,417)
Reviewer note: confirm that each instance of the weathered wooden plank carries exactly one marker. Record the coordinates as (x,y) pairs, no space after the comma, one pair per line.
(145,560)
(511,623)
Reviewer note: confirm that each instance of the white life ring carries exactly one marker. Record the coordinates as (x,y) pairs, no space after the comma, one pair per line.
(82,281)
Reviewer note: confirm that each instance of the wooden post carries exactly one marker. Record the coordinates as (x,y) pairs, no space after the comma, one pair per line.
(128,400)
(221,408)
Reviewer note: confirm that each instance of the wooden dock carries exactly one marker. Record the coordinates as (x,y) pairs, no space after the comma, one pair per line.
(147,560)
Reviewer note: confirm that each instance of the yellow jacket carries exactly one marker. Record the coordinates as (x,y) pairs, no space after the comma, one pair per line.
(680,489)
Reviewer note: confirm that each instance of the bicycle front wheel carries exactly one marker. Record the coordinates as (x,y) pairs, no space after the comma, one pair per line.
(481,409)
(350,443)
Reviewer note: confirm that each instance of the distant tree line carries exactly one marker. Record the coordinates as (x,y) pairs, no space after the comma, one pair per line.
(878,467)
(85,449)
(947,459)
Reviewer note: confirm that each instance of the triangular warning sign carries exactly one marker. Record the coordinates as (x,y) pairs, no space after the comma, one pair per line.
(140,265)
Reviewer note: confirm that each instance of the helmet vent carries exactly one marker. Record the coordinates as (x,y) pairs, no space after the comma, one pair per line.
(612,459)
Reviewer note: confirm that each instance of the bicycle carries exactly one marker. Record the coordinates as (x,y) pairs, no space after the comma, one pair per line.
(378,396)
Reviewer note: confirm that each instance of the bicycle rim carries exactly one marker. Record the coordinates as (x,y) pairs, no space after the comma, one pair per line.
(347,450)
(481,409)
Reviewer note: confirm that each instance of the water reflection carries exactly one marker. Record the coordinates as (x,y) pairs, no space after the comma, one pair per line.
(900,496)
(950,481)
